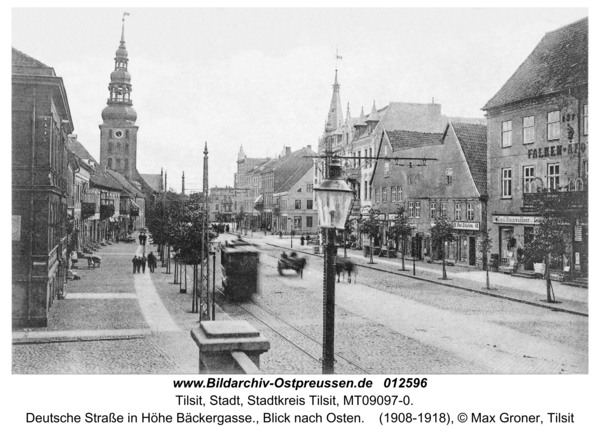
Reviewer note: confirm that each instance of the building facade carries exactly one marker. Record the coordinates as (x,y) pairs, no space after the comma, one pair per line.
(294,205)
(450,181)
(221,201)
(41,123)
(538,145)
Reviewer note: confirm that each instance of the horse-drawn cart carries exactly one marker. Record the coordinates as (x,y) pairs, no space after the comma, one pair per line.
(291,263)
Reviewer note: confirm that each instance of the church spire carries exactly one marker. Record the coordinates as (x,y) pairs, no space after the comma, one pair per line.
(335,116)
(119,100)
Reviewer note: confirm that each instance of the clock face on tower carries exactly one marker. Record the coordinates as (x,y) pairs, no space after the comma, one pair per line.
(118,134)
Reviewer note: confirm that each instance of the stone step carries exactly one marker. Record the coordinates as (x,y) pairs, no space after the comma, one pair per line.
(525,274)
(577,284)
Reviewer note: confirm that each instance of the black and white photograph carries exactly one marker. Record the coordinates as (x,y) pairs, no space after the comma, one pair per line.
(300,191)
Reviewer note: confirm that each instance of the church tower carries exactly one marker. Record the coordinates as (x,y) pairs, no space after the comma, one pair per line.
(118,132)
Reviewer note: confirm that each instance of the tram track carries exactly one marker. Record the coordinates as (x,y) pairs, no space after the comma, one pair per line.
(311,347)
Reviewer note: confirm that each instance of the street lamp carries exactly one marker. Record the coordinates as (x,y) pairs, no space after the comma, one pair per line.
(334,198)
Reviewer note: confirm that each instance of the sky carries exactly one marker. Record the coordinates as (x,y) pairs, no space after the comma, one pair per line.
(262,78)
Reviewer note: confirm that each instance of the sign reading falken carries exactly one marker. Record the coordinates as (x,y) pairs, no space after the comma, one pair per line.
(466,226)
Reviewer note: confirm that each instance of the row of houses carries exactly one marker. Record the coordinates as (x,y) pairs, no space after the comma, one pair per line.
(63,200)
(482,174)
(271,194)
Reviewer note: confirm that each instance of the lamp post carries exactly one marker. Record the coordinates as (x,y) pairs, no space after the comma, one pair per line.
(334,198)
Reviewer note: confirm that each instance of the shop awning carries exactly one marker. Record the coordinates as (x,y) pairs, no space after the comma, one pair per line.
(259,199)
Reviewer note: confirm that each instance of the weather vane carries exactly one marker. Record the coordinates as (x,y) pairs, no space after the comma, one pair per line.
(337,57)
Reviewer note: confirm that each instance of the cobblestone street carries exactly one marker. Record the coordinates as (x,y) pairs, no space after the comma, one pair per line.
(113,321)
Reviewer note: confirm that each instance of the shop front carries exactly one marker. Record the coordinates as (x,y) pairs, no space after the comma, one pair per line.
(511,235)
(465,245)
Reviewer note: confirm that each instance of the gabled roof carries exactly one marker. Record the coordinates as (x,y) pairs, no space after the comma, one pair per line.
(558,62)
(473,141)
(400,139)
(154,181)
(292,168)
(259,166)
(24,64)
(78,149)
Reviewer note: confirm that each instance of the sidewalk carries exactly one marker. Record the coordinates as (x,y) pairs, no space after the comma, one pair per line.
(111,321)
(531,291)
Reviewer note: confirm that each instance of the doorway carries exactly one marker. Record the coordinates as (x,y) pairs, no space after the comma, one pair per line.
(472,251)
(528,238)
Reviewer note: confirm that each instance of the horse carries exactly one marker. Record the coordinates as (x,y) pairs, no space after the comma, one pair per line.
(345,266)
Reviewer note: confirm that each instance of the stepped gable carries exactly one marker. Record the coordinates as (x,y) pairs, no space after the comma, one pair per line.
(558,62)
(473,141)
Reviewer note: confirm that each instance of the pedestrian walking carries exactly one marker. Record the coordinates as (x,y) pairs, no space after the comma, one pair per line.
(144,238)
(151,262)
(140,237)
(302,240)
(134,262)
(143,261)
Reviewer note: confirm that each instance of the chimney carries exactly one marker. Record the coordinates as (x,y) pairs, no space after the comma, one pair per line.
(288,150)
(309,147)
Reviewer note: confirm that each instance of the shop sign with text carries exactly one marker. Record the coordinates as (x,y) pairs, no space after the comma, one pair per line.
(466,226)
(516,219)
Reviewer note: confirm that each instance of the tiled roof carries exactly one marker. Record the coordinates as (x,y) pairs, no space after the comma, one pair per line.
(291,169)
(400,139)
(153,181)
(473,140)
(558,62)
(127,185)
(24,64)
(101,178)
(78,149)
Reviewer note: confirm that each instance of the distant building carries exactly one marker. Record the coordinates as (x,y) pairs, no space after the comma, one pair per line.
(294,203)
(221,204)
(245,184)
(41,122)
(538,145)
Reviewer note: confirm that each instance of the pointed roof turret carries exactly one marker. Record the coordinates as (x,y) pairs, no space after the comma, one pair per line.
(335,116)
(241,154)
(374,115)
(348,113)
(361,120)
